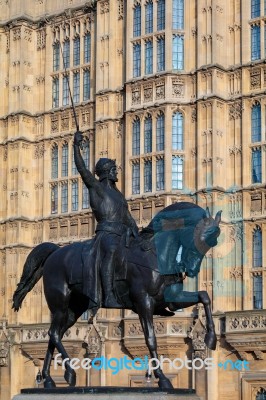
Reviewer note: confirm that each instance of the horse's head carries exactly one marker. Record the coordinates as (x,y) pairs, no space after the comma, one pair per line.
(196,241)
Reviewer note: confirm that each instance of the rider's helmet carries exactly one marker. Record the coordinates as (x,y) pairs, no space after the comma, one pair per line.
(103,167)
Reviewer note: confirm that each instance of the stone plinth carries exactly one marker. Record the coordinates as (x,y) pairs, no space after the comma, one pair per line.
(107,393)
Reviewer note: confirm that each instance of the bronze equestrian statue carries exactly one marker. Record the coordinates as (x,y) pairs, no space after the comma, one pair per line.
(147,276)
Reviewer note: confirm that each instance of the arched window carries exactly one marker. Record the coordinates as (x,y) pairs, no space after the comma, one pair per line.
(160,15)
(177,131)
(148,135)
(256,123)
(54,160)
(136,137)
(178,14)
(74,196)
(66,53)
(177,172)
(261,395)
(87,47)
(160,132)
(137,21)
(76,51)
(257,249)
(257,292)
(64,197)
(135,178)
(255,8)
(64,160)
(56,56)
(149,17)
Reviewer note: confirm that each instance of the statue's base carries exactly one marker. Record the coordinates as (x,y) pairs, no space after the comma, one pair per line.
(107,393)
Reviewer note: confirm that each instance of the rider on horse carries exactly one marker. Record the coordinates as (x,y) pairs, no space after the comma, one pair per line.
(110,209)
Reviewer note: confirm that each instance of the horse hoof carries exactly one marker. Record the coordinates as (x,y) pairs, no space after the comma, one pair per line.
(70,377)
(165,384)
(48,383)
(210,340)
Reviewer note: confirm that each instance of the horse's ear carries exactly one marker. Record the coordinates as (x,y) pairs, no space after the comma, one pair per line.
(208,212)
(218,217)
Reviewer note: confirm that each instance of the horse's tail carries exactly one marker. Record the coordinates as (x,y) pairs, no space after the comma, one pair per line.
(32,271)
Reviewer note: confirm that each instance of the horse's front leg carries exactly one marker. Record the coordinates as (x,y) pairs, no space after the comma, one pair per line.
(210,337)
(184,299)
(145,310)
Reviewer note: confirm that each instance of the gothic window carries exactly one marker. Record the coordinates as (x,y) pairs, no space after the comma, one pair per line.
(54,199)
(147,176)
(257,292)
(64,171)
(161,54)
(74,168)
(255,8)
(65,91)
(85,196)
(160,174)
(256,165)
(149,17)
(135,178)
(257,249)
(54,168)
(76,87)
(136,137)
(76,51)
(55,92)
(148,134)
(256,123)
(261,395)
(255,42)
(87,48)
(178,52)
(161,15)
(64,197)
(177,131)
(56,56)
(136,60)
(160,132)
(177,172)
(86,153)
(148,57)
(137,21)
(86,85)
(66,53)
(74,196)
(178,14)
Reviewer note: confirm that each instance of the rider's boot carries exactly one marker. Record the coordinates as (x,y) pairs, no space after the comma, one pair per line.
(109,299)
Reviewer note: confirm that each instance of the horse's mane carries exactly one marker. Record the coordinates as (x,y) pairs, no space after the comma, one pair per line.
(184,214)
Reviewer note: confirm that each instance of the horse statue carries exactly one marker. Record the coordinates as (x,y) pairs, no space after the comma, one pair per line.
(147,279)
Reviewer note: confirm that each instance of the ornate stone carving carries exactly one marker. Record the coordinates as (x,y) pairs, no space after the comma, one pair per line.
(235,110)
(28,34)
(236,273)
(104,6)
(242,322)
(256,204)
(41,39)
(160,90)
(197,335)
(4,351)
(255,78)
(39,151)
(136,96)
(120,6)
(17,34)
(177,87)
(148,92)
(54,123)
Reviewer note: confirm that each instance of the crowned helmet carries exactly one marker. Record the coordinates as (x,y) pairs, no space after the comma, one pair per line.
(103,167)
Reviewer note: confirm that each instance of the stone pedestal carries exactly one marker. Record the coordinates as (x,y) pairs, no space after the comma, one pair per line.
(106,393)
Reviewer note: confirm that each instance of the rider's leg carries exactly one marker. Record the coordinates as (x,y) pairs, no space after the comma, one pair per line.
(107,276)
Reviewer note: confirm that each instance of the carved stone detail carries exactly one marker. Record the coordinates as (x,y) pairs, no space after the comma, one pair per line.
(235,110)
(178,87)
(255,78)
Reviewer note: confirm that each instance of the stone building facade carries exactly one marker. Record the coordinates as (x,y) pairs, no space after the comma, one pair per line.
(175,91)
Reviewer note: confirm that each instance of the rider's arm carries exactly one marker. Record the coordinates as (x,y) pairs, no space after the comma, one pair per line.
(86,175)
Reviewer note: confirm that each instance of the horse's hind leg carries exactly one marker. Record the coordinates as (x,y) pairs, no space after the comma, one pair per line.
(145,311)
(48,381)
(55,332)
